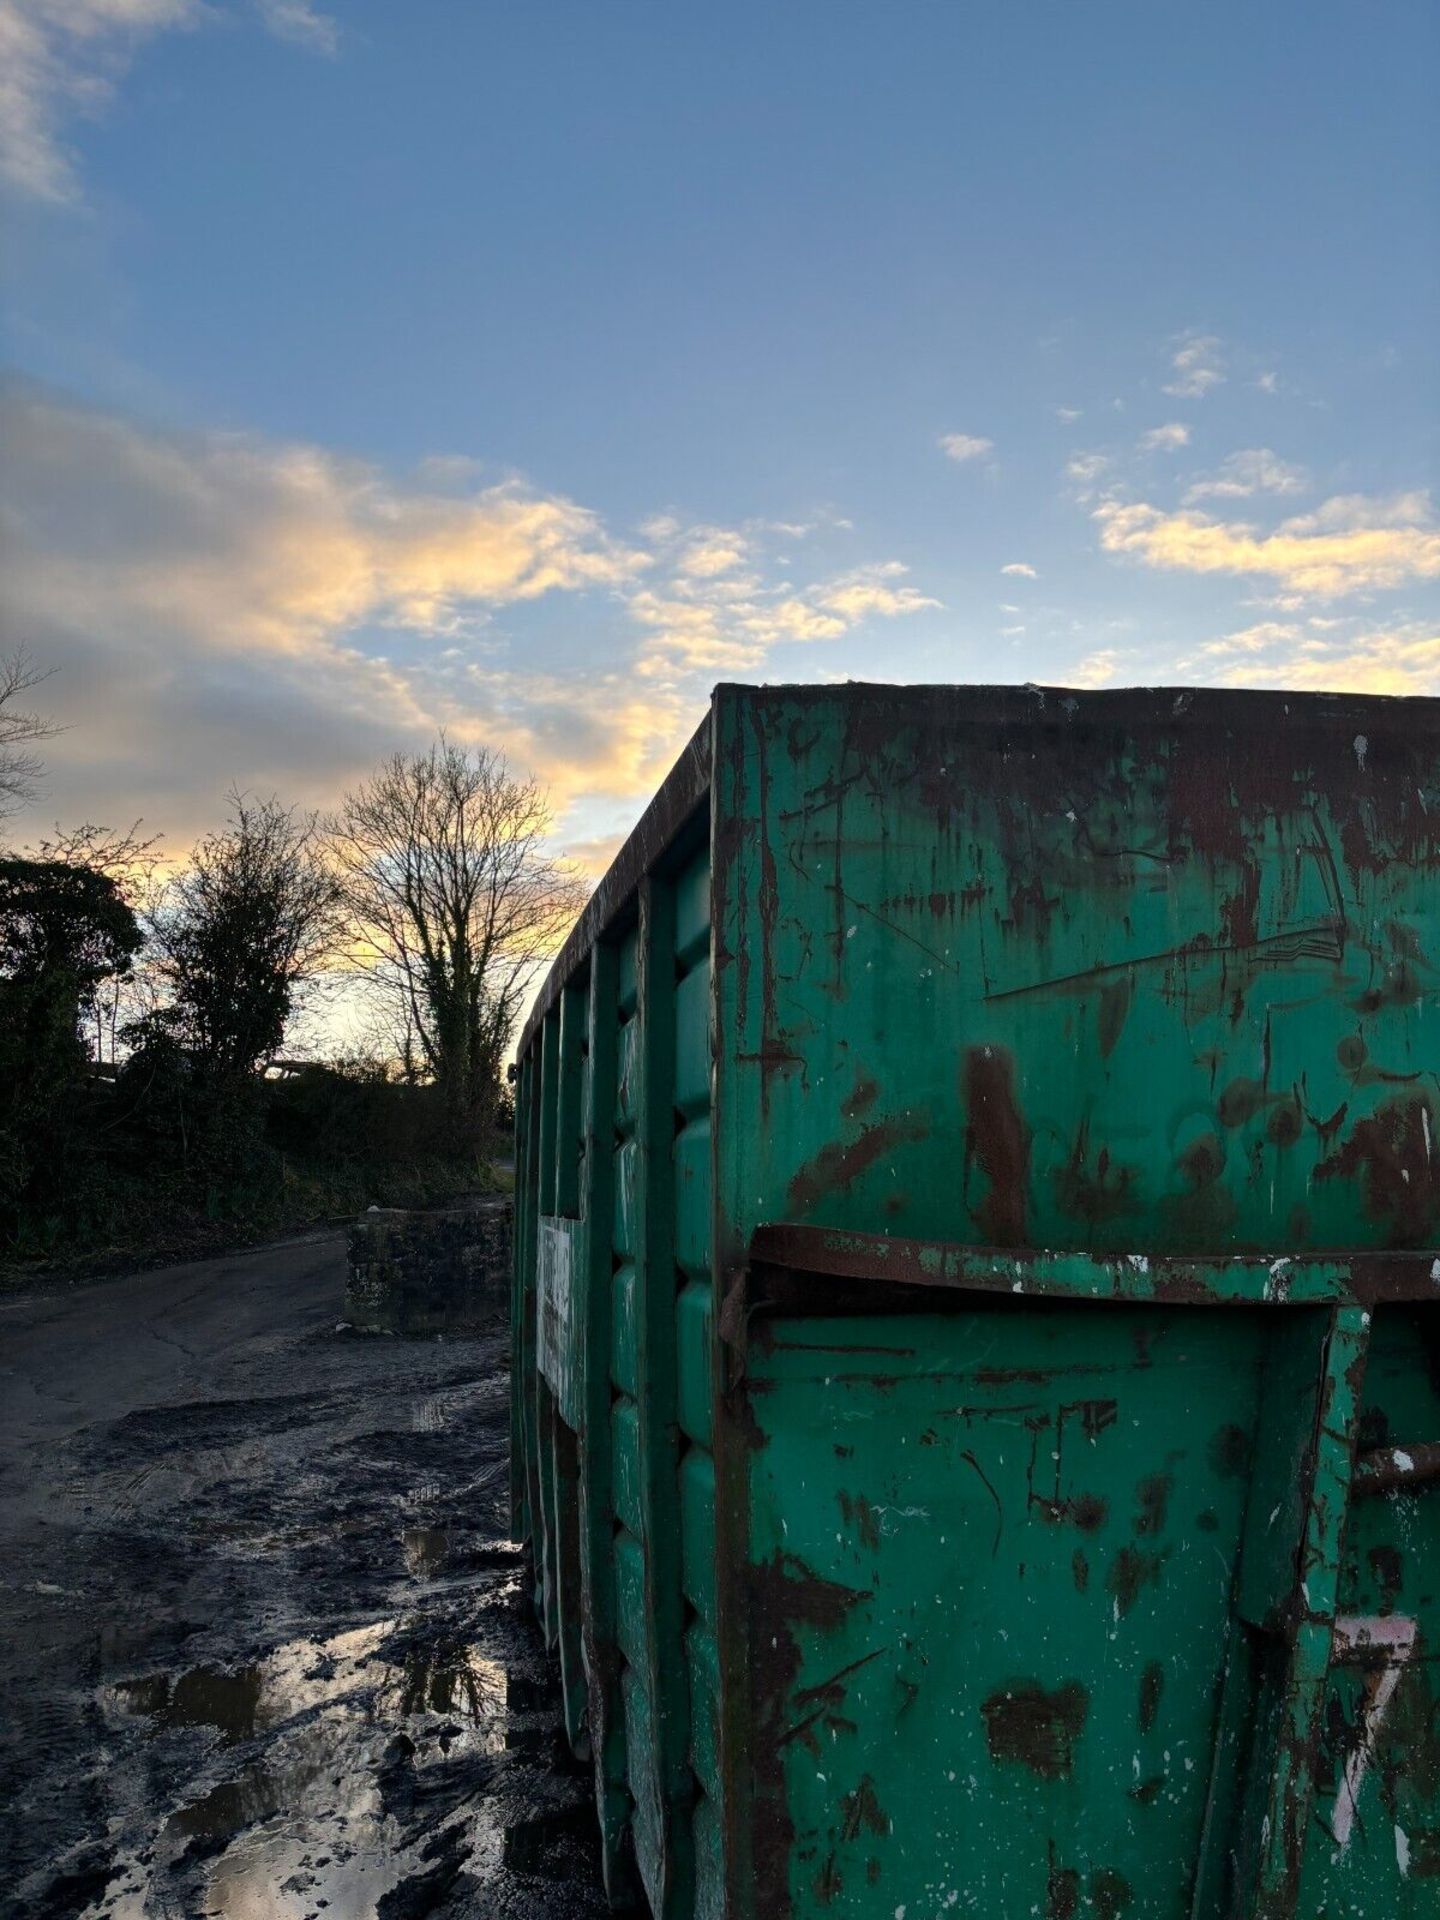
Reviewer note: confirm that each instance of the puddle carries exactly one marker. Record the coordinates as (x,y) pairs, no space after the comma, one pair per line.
(440,1677)
(203,1697)
(426,1550)
(322,1819)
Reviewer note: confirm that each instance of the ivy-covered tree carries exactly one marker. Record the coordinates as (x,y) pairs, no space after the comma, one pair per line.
(65,931)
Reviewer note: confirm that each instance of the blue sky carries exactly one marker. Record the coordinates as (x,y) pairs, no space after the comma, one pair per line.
(525,369)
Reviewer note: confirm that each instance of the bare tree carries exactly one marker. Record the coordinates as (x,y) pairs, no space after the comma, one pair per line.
(454,901)
(253,918)
(20,769)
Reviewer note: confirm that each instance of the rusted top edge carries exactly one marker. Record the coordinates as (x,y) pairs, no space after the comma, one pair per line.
(682,790)
(964,705)
(1170,708)
(1220,1280)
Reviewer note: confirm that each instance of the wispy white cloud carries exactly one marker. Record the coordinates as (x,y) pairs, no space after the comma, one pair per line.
(965,446)
(731,624)
(1087,467)
(301,23)
(1085,471)
(1167,439)
(1350,544)
(1196,366)
(1020,570)
(873,590)
(1095,670)
(1067,416)
(712,551)
(1314,654)
(63,58)
(1252,470)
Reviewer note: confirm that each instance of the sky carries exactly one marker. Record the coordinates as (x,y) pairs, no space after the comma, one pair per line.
(523,370)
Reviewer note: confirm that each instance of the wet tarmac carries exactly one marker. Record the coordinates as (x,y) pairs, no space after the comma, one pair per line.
(264,1651)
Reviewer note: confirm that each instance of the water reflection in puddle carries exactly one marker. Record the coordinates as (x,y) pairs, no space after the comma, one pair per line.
(203,1697)
(426,1550)
(319,1820)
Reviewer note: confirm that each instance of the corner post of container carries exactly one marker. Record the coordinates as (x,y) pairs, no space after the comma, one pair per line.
(1287,1592)
(735,963)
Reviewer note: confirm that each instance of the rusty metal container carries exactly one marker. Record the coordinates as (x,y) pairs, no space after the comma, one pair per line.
(977,1310)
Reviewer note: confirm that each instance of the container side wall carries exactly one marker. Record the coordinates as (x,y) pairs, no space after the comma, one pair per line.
(522,1301)
(606,1724)
(566,1353)
(540,1461)
(990,1605)
(636,1738)
(691,1163)
(658,1738)
(1087,973)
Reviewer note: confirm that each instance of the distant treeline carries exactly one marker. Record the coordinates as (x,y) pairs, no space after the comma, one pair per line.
(144,1103)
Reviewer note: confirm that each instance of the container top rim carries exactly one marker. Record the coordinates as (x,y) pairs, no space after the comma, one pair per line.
(966,703)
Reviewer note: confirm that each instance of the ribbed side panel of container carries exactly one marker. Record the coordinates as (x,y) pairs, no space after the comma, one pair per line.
(615,1483)
(691,1156)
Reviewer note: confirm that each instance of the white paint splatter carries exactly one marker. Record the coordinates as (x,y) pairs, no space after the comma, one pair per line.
(1397,1637)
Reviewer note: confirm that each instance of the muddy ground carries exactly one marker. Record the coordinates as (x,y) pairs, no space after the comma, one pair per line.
(264,1651)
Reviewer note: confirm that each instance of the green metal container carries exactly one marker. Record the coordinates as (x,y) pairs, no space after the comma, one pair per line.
(977,1311)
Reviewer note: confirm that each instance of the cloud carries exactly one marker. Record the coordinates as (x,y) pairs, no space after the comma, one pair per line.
(1020,570)
(1268,382)
(1252,470)
(448,469)
(872,590)
(1087,467)
(59,58)
(301,23)
(1348,545)
(1166,439)
(1067,416)
(965,446)
(1196,366)
(226,607)
(306,543)
(723,625)
(594,855)
(1095,670)
(712,551)
(1085,471)
(1325,655)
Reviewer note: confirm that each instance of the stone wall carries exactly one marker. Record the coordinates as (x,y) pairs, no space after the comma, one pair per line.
(445,1271)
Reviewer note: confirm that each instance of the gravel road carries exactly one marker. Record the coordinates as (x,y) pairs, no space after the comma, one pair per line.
(263,1648)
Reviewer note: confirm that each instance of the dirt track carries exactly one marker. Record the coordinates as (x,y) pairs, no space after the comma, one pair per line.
(263,1649)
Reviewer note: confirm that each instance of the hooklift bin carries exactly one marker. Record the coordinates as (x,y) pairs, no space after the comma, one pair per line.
(977,1310)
